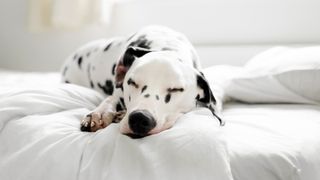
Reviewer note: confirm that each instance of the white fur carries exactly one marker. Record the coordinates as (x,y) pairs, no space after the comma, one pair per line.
(173,63)
(160,71)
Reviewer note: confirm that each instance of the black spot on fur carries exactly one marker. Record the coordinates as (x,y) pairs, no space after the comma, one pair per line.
(122,100)
(157,97)
(66,81)
(143,88)
(208,96)
(113,70)
(132,53)
(107,47)
(80,61)
(141,42)
(172,90)
(147,95)
(129,98)
(131,82)
(91,84)
(128,58)
(75,56)
(88,54)
(198,97)
(120,86)
(107,87)
(65,70)
(120,105)
(167,98)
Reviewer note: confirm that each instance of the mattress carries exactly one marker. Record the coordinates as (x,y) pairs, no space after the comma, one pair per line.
(40,139)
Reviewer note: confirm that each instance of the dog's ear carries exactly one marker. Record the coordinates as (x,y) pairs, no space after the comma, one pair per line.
(132,53)
(125,63)
(205,96)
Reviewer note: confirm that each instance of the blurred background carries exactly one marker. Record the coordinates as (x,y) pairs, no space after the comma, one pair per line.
(37,35)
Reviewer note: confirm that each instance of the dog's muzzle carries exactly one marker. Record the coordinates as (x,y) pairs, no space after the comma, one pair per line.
(141,122)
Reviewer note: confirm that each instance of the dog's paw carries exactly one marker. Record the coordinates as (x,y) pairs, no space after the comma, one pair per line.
(96,120)
(93,122)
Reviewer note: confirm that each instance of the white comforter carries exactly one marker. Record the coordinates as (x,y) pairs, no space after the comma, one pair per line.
(273,141)
(40,139)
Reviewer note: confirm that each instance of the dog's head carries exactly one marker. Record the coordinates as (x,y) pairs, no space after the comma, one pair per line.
(158,88)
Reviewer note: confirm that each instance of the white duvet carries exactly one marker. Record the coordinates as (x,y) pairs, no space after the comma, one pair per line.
(273,141)
(40,139)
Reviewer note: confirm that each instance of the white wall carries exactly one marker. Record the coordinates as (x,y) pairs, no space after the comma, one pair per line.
(224,22)
(23,50)
(228,31)
(224,31)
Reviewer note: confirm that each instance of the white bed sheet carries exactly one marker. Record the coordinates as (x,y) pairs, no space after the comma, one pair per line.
(265,142)
(273,141)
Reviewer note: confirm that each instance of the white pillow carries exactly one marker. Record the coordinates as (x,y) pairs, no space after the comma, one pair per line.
(218,77)
(279,75)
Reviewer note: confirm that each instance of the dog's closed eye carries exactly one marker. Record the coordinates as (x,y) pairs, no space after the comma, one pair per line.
(132,83)
(172,90)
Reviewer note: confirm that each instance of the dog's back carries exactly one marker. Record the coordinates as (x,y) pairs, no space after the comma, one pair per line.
(160,38)
(93,65)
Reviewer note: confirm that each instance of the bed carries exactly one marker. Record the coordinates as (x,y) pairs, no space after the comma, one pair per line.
(272,129)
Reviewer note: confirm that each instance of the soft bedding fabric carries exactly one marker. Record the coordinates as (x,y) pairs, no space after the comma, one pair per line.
(40,139)
(273,141)
(15,80)
(278,75)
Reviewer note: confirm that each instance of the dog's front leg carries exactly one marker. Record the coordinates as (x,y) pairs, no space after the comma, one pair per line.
(102,116)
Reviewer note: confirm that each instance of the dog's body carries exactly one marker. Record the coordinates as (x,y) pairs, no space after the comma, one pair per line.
(153,75)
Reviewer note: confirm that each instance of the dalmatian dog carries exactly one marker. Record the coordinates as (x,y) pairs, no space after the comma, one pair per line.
(149,79)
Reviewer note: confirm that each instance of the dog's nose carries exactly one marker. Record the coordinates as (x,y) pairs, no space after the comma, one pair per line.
(141,122)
